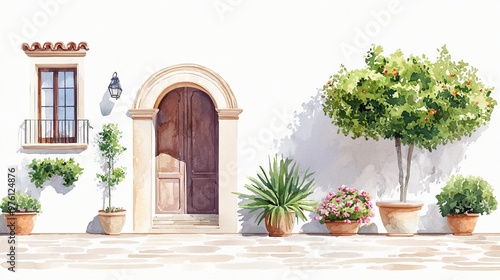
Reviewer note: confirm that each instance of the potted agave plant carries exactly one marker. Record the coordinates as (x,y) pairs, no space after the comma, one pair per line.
(20,212)
(345,211)
(280,193)
(111,218)
(463,199)
(413,102)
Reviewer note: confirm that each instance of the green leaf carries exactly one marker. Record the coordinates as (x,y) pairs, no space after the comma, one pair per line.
(279,189)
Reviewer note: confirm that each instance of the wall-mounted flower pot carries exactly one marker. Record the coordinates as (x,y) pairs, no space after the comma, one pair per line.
(112,223)
(284,227)
(399,218)
(462,224)
(23,222)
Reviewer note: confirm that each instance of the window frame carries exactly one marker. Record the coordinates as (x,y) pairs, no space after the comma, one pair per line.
(54,60)
(55,104)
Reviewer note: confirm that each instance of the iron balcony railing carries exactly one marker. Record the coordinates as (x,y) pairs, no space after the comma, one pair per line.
(60,131)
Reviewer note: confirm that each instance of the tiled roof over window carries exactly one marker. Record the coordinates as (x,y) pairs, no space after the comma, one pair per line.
(55,49)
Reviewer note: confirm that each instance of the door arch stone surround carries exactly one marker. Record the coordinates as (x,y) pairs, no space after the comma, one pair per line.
(143,116)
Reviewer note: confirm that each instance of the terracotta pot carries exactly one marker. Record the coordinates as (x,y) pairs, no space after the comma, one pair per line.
(462,224)
(24,222)
(284,228)
(400,218)
(341,228)
(112,223)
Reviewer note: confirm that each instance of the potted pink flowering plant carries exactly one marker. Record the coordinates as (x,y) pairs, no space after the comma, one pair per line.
(344,212)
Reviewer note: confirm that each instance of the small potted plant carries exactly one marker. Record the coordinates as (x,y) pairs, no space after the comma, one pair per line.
(345,211)
(20,212)
(463,199)
(111,218)
(280,193)
(413,101)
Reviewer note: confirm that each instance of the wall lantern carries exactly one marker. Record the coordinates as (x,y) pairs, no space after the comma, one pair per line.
(114,88)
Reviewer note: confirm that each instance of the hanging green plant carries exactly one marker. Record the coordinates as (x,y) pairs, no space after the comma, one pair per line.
(42,170)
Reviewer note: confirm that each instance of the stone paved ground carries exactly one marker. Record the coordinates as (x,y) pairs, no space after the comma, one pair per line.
(203,256)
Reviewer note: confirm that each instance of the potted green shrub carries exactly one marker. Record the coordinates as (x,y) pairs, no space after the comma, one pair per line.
(111,218)
(463,199)
(412,101)
(20,212)
(280,193)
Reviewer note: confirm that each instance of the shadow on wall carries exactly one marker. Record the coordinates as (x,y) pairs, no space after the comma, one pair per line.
(366,164)
(3,225)
(249,225)
(106,104)
(94,226)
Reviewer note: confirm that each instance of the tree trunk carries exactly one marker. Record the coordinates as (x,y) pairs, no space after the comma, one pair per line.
(408,167)
(400,168)
(403,183)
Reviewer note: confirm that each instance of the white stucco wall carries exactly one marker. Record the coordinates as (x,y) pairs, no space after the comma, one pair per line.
(275,55)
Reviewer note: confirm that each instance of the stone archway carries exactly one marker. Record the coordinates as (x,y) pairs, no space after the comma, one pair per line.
(144,115)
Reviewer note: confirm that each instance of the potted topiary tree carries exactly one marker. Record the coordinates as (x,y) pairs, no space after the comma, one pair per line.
(463,199)
(412,101)
(280,193)
(111,218)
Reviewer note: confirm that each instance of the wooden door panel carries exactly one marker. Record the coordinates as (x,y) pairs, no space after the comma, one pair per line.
(170,186)
(169,196)
(187,153)
(170,125)
(201,163)
(205,197)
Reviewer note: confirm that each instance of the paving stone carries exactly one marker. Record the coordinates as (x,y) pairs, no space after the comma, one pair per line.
(109,251)
(277,248)
(84,256)
(299,255)
(114,266)
(493,253)
(342,255)
(195,249)
(454,259)
(398,266)
(60,249)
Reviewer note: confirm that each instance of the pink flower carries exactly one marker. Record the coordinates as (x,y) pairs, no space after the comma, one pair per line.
(346,215)
(342,188)
(317,218)
(338,199)
(329,196)
(356,208)
(347,221)
(349,203)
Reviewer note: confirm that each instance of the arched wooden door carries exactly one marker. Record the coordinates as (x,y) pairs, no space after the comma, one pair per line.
(187,153)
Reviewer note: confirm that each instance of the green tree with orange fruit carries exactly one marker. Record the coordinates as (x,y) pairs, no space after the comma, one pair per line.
(409,99)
